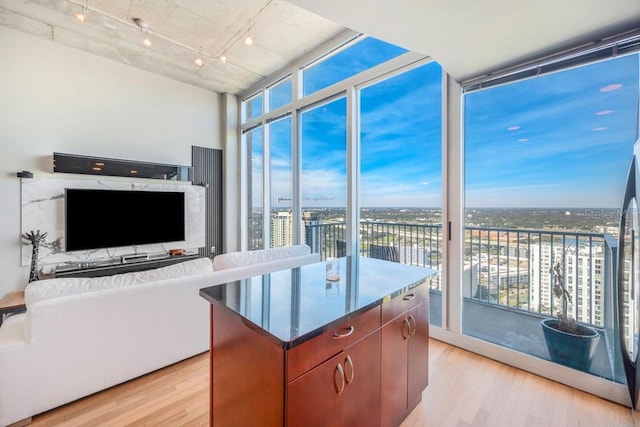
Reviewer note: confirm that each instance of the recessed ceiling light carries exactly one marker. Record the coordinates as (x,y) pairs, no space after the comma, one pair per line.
(199,62)
(223,58)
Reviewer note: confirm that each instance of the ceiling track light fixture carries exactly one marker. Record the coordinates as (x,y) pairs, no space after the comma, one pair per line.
(248,40)
(141,24)
(146,42)
(144,26)
(198,61)
(79,16)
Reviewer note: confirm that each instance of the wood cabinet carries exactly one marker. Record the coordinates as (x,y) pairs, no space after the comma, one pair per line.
(342,391)
(364,362)
(404,360)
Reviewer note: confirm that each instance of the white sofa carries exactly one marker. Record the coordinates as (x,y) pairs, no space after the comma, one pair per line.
(82,335)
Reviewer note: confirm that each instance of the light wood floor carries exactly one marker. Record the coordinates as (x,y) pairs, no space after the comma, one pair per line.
(464,390)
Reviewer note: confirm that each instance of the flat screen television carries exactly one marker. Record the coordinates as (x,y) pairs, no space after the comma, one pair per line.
(98,219)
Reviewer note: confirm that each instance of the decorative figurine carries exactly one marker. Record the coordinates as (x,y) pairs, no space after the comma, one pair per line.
(35,239)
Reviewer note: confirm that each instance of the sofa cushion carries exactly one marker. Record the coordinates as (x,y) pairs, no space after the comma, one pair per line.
(53,288)
(244,258)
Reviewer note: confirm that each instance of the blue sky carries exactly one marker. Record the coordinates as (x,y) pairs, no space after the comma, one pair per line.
(400,144)
(558,140)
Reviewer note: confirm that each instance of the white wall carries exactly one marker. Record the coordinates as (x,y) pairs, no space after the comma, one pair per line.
(58,99)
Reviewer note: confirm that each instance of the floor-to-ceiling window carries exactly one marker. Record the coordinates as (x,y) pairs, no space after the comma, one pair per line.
(346,62)
(546,159)
(525,173)
(401,172)
(281,221)
(543,163)
(255,167)
(323,174)
(296,137)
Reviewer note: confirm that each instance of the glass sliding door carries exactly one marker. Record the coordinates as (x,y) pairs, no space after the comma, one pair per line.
(401,172)
(545,166)
(323,176)
(281,218)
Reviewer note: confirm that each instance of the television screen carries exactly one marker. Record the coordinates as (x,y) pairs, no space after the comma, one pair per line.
(97,219)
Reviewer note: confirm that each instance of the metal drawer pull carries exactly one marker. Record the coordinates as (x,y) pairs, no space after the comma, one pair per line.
(407,323)
(339,372)
(348,368)
(349,331)
(413,326)
(409,297)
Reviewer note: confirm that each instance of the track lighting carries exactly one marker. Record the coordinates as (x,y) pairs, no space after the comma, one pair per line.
(83,5)
(143,25)
(248,41)
(146,42)
(198,61)
(79,16)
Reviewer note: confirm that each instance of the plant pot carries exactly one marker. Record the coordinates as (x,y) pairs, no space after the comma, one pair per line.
(572,350)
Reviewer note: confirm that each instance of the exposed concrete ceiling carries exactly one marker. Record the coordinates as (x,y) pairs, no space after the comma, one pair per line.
(470,38)
(179,30)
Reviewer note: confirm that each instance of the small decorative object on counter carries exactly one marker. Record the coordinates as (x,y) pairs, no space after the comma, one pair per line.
(333,270)
(35,238)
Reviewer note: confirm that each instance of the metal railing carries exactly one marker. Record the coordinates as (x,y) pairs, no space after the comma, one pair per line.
(414,244)
(510,268)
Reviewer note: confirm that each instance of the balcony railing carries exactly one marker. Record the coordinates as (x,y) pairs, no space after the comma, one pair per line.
(509,268)
(507,283)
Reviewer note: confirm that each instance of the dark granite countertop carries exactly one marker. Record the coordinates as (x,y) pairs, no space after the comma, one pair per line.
(297,304)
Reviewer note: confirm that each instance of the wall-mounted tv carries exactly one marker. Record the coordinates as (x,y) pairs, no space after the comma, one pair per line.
(98,219)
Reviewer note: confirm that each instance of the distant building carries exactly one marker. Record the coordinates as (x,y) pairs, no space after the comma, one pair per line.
(584,279)
(282,227)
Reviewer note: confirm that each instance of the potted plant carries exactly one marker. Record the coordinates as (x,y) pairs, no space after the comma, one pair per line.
(568,342)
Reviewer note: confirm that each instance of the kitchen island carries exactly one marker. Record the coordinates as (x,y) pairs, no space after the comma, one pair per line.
(292,348)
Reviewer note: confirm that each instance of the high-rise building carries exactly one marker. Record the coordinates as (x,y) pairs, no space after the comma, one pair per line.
(584,279)
(282,227)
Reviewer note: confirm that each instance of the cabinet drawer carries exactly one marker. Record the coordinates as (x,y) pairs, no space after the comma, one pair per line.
(311,353)
(395,307)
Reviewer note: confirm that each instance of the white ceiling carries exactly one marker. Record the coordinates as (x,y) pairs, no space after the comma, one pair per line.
(467,37)
(473,37)
(178,29)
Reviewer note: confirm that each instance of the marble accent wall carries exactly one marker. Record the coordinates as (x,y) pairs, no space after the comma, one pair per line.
(43,209)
